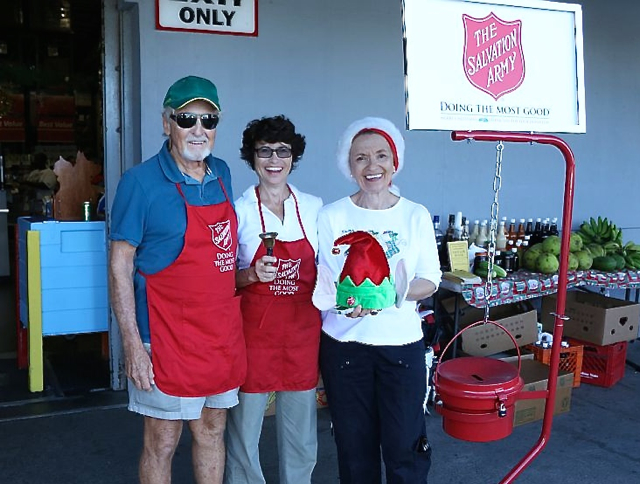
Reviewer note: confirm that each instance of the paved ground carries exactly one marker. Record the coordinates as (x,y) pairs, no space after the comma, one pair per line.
(94,439)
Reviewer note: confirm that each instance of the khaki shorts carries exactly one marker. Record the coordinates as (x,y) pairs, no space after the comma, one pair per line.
(158,404)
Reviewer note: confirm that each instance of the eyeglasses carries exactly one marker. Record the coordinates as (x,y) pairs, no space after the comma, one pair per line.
(266,152)
(189,120)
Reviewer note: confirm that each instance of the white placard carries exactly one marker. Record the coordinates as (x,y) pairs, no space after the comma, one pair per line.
(235,17)
(494,65)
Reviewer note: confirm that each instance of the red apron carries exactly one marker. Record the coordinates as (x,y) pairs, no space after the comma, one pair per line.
(194,314)
(281,325)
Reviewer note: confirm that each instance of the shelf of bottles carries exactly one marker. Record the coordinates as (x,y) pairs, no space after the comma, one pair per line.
(512,239)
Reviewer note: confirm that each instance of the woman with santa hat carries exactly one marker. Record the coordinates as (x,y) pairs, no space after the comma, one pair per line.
(372,356)
(281,325)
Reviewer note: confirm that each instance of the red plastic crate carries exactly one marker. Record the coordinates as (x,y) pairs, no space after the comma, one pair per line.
(602,365)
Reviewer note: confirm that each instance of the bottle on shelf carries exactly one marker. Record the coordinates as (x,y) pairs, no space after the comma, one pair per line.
(483,234)
(458,226)
(512,232)
(546,228)
(449,236)
(529,228)
(536,237)
(507,261)
(481,256)
(464,234)
(515,260)
(510,244)
(522,231)
(438,232)
(553,229)
(473,236)
(520,248)
(501,238)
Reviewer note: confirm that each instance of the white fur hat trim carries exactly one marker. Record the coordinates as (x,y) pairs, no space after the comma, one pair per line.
(344,144)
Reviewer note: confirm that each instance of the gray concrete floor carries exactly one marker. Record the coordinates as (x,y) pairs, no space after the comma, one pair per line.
(94,439)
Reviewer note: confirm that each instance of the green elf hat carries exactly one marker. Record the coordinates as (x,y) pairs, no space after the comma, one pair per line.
(365,279)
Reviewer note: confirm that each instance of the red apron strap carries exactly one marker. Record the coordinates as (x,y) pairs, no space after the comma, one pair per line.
(295,200)
(260,210)
(224,190)
(180,192)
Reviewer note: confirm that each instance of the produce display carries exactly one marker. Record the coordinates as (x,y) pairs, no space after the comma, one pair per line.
(596,245)
(482,269)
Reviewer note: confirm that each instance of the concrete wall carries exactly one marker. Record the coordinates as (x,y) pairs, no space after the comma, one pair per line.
(326,63)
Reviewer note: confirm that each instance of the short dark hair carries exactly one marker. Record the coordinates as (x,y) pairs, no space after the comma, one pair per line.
(271,130)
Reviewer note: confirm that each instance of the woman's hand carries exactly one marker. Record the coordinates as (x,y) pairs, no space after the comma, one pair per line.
(359,312)
(265,268)
(263,271)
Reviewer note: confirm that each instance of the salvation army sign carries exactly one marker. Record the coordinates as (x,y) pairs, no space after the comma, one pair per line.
(502,65)
(236,17)
(496,68)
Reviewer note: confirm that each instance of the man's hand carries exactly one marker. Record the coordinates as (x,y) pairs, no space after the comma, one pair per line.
(138,367)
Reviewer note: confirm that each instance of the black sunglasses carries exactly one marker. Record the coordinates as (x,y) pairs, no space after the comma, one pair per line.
(266,152)
(189,120)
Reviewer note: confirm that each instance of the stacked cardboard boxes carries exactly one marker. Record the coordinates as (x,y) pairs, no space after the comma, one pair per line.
(594,318)
(603,325)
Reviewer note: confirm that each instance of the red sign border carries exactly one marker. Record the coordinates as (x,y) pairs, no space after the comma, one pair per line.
(216,32)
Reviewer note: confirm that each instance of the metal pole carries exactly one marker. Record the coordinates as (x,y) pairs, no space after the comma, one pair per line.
(567,213)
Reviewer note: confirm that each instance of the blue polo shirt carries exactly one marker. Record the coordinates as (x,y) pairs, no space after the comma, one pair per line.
(149,213)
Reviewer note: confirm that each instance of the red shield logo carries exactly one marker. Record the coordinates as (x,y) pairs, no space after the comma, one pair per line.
(221,235)
(493,60)
(288,269)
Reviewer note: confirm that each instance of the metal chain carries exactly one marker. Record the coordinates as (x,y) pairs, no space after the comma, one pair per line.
(493,230)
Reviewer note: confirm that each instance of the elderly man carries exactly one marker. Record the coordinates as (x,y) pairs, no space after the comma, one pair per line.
(172,278)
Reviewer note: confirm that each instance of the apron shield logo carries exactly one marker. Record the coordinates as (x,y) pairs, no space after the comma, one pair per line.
(221,235)
(493,60)
(288,269)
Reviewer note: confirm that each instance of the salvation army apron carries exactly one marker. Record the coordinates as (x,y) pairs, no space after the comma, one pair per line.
(194,315)
(281,325)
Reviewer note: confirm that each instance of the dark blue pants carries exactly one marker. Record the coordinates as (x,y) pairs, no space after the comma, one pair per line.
(376,396)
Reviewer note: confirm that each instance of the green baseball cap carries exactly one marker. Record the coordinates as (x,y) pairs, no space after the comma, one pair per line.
(191,88)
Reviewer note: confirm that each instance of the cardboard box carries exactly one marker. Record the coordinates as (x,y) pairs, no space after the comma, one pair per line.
(488,339)
(594,318)
(536,376)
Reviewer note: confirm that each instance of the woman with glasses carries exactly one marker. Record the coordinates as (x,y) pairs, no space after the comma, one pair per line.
(373,361)
(281,325)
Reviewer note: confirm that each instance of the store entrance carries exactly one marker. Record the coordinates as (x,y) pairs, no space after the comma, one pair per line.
(50,119)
